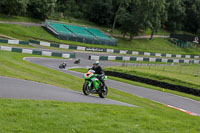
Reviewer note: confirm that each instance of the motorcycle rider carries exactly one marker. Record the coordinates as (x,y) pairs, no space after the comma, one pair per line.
(63,65)
(99,70)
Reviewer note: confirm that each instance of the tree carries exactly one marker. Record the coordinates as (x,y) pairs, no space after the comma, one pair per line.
(192,18)
(101,12)
(134,20)
(125,23)
(143,15)
(62,5)
(121,4)
(41,9)
(157,14)
(176,14)
(13,7)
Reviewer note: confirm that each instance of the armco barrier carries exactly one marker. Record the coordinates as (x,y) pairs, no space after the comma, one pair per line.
(152,54)
(165,85)
(144,59)
(74,47)
(37,52)
(47,44)
(14,42)
(65,46)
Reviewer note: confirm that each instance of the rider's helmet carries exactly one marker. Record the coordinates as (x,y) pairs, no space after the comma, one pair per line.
(96,64)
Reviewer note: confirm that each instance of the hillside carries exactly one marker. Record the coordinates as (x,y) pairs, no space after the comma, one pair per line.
(146,45)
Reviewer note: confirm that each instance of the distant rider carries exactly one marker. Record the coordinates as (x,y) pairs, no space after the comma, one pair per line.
(98,70)
(63,65)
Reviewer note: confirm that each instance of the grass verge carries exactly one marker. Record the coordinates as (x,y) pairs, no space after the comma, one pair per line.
(32,116)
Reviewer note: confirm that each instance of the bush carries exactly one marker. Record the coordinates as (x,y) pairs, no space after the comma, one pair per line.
(13,7)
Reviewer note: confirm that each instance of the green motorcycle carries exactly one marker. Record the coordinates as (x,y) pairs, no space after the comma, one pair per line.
(93,85)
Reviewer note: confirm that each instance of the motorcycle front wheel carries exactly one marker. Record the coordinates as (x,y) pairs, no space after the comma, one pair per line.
(86,90)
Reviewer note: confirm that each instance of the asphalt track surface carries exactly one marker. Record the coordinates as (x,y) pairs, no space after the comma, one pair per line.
(23,89)
(157,96)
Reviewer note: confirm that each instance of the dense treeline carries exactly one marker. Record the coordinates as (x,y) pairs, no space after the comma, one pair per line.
(129,16)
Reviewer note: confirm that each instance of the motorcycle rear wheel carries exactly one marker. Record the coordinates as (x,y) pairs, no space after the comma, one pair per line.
(103,94)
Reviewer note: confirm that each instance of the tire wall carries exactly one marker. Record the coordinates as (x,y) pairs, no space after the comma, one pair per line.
(156,83)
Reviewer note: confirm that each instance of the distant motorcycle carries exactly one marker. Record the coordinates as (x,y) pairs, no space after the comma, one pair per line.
(63,65)
(93,85)
(77,61)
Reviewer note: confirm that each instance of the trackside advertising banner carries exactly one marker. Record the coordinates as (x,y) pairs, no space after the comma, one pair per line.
(95,49)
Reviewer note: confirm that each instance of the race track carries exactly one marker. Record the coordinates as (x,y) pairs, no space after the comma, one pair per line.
(157,96)
(15,88)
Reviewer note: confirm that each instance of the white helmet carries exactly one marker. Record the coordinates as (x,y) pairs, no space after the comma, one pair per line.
(96,63)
